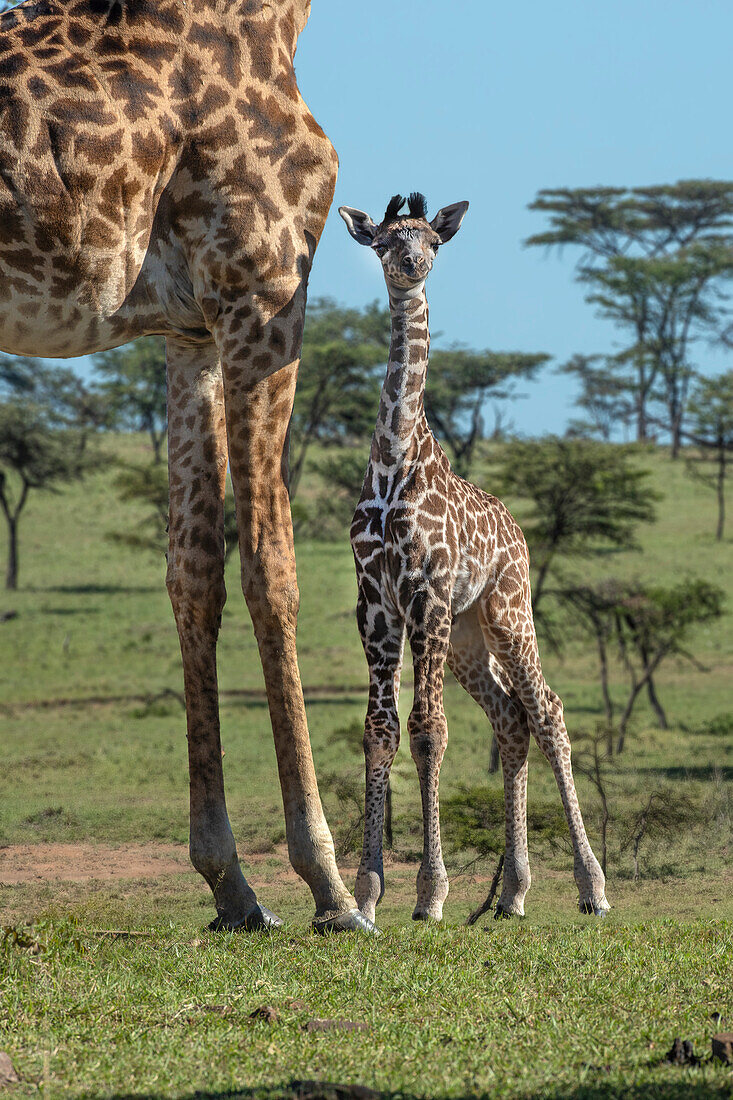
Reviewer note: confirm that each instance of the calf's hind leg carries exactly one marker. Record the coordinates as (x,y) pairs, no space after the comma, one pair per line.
(510,636)
(479,675)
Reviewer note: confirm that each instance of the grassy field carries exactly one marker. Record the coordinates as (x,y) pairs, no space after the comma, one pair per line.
(93,753)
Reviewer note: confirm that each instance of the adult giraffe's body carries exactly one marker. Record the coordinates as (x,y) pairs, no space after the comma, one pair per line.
(160,173)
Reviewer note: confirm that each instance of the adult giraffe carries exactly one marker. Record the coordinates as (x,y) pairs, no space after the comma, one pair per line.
(160,173)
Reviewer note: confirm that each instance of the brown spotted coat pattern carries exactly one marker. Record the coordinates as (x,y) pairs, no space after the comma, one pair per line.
(160,173)
(446,565)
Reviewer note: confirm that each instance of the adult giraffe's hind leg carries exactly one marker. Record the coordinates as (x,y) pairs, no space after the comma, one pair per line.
(478,673)
(258,417)
(195,579)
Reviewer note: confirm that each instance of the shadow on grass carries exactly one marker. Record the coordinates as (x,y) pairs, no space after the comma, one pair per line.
(70,611)
(702,772)
(94,589)
(246,699)
(685,1089)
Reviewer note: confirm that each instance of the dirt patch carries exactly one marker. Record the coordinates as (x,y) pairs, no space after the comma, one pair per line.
(84,862)
(21,863)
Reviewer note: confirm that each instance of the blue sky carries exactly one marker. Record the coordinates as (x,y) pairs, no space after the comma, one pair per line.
(491,102)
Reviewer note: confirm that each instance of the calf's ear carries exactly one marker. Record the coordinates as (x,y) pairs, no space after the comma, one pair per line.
(447,221)
(360,225)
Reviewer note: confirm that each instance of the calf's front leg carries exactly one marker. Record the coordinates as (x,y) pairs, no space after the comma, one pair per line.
(383,641)
(428,731)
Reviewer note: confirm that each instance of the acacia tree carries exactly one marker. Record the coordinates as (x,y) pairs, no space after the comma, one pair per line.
(665,303)
(460,381)
(604,397)
(624,235)
(33,455)
(135,385)
(648,221)
(711,430)
(46,417)
(586,497)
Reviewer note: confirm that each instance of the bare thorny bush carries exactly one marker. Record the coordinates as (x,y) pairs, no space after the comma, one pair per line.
(666,814)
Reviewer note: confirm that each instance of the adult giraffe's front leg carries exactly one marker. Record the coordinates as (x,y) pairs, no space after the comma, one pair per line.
(258,417)
(197,460)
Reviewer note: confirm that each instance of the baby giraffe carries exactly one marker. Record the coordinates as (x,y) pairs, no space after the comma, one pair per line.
(446,563)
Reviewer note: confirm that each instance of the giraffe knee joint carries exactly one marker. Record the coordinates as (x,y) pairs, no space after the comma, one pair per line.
(194,603)
(428,735)
(381,741)
(379,754)
(274,607)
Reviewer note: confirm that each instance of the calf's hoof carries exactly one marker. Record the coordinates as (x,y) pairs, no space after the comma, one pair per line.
(350,921)
(259,919)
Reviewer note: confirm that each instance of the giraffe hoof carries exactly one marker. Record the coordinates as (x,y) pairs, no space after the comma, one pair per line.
(259,919)
(351,921)
(423,915)
(501,914)
(591,910)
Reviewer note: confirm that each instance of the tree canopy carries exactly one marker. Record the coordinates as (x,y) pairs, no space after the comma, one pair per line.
(648,221)
(134,381)
(44,424)
(710,429)
(654,261)
(585,498)
(460,382)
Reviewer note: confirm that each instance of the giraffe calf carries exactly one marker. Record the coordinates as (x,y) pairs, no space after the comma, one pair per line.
(446,564)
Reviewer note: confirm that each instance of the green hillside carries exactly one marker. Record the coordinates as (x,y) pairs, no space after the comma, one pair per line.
(94,629)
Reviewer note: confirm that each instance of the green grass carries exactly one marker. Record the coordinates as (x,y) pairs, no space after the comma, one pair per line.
(94,749)
(510,1011)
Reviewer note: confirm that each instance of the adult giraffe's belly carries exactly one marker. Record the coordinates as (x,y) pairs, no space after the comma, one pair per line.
(76,215)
